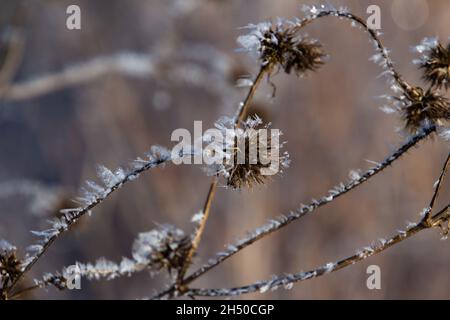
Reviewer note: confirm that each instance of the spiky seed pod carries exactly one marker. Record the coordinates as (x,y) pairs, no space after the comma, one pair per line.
(249,156)
(10,265)
(291,53)
(419,107)
(279,45)
(435,65)
(165,247)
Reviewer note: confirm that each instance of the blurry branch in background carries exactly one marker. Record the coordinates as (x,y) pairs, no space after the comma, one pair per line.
(287,280)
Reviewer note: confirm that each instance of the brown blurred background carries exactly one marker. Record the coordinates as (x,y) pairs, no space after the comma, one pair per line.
(50,144)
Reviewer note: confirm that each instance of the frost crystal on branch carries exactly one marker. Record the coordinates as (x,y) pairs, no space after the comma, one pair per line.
(196,218)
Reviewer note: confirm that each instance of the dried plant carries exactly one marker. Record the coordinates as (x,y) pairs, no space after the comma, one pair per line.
(277,46)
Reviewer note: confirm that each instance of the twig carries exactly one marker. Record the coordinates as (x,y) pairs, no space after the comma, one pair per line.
(288,280)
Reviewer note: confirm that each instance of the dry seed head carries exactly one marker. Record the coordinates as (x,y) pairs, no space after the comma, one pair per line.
(419,107)
(250,154)
(279,45)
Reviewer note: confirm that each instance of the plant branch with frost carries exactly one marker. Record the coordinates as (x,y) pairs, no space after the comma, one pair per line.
(94,195)
(287,280)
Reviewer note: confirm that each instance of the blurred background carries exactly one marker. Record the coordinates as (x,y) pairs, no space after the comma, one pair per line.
(51,143)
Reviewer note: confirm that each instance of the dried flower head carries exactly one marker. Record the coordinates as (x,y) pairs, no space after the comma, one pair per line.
(165,247)
(10,266)
(251,153)
(435,62)
(419,107)
(279,45)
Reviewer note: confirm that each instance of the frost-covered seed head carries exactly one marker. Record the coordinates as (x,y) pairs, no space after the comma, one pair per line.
(435,62)
(419,107)
(10,266)
(279,45)
(165,247)
(249,154)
